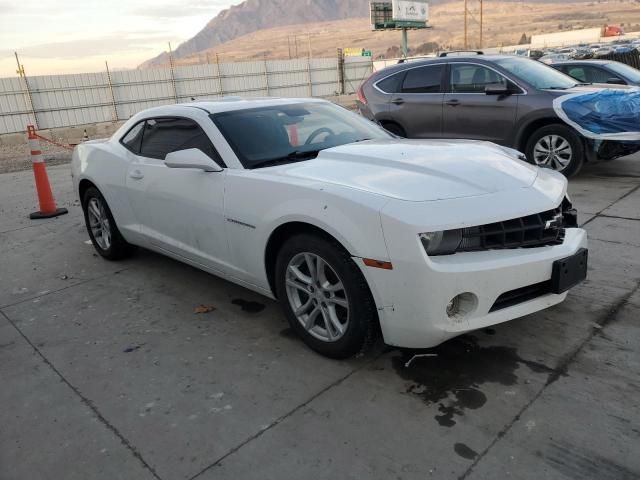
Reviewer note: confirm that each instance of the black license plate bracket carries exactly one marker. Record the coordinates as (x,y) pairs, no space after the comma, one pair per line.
(569,272)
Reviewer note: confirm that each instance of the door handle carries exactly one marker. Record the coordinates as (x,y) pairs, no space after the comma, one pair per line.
(453,103)
(136,175)
(397,101)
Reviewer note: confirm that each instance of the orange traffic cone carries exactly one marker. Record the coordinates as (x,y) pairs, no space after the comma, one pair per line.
(48,207)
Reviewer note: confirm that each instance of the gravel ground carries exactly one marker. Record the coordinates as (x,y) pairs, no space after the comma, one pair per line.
(14,158)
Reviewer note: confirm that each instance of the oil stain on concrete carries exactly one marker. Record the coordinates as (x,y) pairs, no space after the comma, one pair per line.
(453,376)
(465,451)
(248,305)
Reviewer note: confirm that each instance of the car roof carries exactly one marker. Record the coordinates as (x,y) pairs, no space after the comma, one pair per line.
(227,104)
(584,62)
(435,60)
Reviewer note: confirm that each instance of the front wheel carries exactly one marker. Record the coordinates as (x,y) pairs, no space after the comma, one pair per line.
(325,296)
(557,147)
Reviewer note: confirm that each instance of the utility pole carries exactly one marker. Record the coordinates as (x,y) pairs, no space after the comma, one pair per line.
(481,23)
(405,43)
(21,73)
(466,37)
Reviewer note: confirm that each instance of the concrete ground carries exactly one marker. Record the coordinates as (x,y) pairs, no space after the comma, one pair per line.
(107,373)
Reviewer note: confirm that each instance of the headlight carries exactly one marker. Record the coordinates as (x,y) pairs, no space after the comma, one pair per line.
(441,243)
(512,152)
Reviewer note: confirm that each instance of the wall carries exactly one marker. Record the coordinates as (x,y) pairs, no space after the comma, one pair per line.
(69,100)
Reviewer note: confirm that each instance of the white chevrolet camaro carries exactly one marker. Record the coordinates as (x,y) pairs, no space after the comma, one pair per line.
(353,230)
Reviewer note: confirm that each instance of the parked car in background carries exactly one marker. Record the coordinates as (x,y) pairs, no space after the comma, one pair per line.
(503,99)
(623,48)
(582,53)
(352,230)
(531,53)
(570,52)
(554,58)
(600,71)
(602,51)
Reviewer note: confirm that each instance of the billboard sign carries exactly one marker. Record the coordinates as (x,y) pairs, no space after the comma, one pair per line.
(410,11)
(356,52)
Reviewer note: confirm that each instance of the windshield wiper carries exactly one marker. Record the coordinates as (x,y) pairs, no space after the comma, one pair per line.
(292,157)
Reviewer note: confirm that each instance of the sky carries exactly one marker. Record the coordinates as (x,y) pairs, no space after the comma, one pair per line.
(75,36)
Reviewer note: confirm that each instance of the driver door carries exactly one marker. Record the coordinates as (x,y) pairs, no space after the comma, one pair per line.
(468,112)
(180,211)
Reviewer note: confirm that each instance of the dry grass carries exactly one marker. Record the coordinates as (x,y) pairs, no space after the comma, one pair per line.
(505,22)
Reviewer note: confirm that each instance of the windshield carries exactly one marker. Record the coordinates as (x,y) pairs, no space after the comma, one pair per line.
(626,71)
(537,74)
(268,136)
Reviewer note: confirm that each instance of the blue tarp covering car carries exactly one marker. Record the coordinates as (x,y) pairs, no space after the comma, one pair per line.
(603,115)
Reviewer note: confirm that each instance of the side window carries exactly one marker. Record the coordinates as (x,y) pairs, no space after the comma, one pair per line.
(467,78)
(165,135)
(391,84)
(423,80)
(578,73)
(133,138)
(598,75)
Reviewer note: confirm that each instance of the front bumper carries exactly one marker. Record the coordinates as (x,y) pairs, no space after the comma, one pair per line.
(413,297)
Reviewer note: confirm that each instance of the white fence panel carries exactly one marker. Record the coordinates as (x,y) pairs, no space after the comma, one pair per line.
(197,81)
(67,100)
(14,106)
(356,70)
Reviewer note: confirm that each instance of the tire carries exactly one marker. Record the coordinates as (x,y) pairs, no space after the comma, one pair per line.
(112,246)
(395,129)
(357,320)
(566,152)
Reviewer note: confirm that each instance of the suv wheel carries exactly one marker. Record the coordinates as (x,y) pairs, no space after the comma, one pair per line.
(557,147)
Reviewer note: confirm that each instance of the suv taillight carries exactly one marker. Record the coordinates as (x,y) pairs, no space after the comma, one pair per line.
(360,94)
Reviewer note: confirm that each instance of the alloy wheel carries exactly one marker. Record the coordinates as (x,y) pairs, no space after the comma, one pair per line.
(99,223)
(553,151)
(317,297)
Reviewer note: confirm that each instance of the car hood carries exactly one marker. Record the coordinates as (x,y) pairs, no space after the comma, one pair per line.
(590,89)
(418,170)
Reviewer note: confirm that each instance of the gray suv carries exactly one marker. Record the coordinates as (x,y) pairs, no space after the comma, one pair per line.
(503,99)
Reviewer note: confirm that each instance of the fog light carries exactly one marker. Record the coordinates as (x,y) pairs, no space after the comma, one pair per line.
(453,307)
(462,306)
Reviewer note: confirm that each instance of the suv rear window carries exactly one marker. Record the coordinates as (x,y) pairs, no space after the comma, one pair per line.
(391,84)
(423,80)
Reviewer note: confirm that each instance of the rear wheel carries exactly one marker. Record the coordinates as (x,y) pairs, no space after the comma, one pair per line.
(102,228)
(325,296)
(557,147)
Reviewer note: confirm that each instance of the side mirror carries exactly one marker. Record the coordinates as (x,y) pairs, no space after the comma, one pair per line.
(191,158)
(497,89)
(616,81)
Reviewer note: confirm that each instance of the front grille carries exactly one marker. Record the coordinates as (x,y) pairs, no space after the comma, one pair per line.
(539,230)
(521,295)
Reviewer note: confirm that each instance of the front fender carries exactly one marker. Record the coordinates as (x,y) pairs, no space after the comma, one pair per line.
(350,216)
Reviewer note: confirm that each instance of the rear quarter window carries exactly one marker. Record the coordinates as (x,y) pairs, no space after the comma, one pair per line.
(132,140)
(391,84)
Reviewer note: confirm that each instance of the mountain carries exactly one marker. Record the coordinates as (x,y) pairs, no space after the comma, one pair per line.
(254,15)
